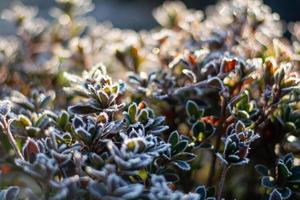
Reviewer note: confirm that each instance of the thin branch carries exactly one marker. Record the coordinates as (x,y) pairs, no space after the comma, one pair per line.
(11,138)
(190,87)
(222,181)
(218,141)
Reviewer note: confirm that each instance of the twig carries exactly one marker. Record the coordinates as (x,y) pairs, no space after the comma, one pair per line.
(186,88)
(218,142)
(11,138)
(214,161)
(222,181)
(189,87)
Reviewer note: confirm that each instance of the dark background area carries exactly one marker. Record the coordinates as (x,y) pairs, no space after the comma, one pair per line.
(137,14)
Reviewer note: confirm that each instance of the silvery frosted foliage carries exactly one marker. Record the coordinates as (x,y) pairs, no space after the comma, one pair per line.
(203,193)
(178,155)
(68,131)
(152,144)
(98,87)
(33,111)
(42,167)
(44,170)
(237,145)
(10,193)
(142,115)
(285,182)
(156,84)
(130,158)
(155,145)
(38,100)
(160,190)
(109,185)
(201,131)
(92,132)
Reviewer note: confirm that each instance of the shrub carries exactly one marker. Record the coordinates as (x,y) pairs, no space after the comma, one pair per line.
(203,101)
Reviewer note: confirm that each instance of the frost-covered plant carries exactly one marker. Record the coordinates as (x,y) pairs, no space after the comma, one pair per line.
(286,182)
(185,111)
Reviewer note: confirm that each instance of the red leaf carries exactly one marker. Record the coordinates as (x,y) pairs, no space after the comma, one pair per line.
(30,149)
(229,65)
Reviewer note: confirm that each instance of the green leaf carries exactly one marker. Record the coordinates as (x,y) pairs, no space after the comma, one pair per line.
(267,182)
(63,119)
(283,170)
(132,111)
(233,158)
(84,135)
(78,122)
(115,89)
(171,177)
(205,145)
(46,101)
(182,165)
(288,160)
(103,98)
(201,191)
(294,179)
(33,131)
(279,75)
(173,138)
(242,104)
(143,116)
(83,109)
(290,126)
(210,192)
(239,127)
(198,130)
(193,110)
(285,192)
(185,156)
(43,121)
(209,130)
(25,104)
(230,147)
(275,195)
(243,114)
(262,170)
(24,120)
(179,147)
(143,174)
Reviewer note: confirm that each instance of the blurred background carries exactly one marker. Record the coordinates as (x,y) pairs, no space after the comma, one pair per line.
(137,14)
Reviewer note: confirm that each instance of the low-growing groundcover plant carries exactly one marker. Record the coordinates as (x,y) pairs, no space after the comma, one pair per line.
(204,107)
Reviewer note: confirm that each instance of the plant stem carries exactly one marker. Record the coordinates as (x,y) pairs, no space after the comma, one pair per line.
(220,131)
(12,140)
(190,87)
(222,181)
(214,161)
